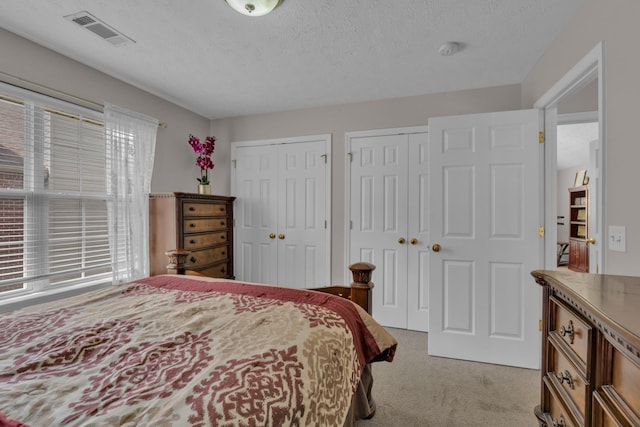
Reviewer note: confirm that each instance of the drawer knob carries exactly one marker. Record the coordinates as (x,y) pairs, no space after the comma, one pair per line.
(191,209)
(192,259)
(192,241)
(560,422)
(222,223)
(566,376)
(568,330)
(192,225)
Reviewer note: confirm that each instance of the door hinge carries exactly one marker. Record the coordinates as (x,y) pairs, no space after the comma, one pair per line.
(540,325)
(325,224)
(541,231)
(234,222)
(324,156)
(350,154)
(541,137)
(234,163)
(350,225)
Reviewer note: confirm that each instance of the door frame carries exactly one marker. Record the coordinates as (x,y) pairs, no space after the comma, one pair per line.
(590,67)
(326,138)
(348,136)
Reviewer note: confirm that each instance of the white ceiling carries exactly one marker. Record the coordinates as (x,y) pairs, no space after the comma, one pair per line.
(206,57)
(573,144)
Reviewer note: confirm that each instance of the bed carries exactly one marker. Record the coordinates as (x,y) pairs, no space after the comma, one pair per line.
(176,350)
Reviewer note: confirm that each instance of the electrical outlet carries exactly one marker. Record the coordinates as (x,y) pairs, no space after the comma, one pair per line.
(617,238)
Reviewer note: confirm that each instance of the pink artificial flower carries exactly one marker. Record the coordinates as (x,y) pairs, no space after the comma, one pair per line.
(204,151)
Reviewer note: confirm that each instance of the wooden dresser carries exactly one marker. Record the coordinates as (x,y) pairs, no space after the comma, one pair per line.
(590,349)
(200,223)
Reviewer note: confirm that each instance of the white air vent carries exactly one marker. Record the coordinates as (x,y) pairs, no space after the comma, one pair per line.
(98,27)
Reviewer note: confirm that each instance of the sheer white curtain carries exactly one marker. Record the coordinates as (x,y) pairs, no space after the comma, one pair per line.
(131,143)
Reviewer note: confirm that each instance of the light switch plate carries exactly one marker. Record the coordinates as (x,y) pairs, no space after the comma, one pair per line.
(617,238)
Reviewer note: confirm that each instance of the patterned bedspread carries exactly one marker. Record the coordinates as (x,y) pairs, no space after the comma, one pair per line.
(186,351)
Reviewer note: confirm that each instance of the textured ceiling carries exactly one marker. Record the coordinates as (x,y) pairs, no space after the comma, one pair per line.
(204,56)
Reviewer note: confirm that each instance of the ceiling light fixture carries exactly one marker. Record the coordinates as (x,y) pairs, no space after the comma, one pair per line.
(449,48)
(253,7)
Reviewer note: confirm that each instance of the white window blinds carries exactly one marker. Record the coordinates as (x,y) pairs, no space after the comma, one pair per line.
(53,196)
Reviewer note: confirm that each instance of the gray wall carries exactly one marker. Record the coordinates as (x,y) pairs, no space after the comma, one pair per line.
(615,22)
(174,166)
(336,120)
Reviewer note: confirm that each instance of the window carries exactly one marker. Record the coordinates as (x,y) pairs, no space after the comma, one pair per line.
(53,197)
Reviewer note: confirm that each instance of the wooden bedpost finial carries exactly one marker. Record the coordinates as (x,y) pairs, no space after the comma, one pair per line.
(177,260)
(362,272)
(361,288)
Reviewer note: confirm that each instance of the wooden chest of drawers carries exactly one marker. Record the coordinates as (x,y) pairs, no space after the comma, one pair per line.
(200,223)
(591,350)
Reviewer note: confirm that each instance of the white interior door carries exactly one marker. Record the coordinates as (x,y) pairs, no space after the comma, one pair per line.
(303,224)
(418,233)
(485,192)
(379,220)
(282,210)
(256,214)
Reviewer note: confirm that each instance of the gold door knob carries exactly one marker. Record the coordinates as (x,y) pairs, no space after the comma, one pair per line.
(272,235)
(281,236)
(401,240)
(413,241)
(436,247)
(591,241)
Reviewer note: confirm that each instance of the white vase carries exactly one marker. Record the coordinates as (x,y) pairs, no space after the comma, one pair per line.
(204,188)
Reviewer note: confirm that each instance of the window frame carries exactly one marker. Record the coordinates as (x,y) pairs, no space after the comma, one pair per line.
(37,285)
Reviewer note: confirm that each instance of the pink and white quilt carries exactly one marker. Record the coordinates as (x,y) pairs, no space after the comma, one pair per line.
(186,351)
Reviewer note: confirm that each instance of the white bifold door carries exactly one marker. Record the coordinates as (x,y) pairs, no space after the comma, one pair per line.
(486,212)
(389,207)
(282,207)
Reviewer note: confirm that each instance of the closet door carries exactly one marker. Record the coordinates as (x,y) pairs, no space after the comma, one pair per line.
(418,233)
(256,213)
(302,224)
(282,209)
(378,191)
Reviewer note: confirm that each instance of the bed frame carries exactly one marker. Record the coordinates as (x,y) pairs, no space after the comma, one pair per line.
(360,290)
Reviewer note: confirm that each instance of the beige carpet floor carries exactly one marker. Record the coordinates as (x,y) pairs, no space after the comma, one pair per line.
(421,390)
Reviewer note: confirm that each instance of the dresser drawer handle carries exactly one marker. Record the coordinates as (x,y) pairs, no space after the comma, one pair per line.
(568,331)
(191,209)
(192,259)
(560,422)
(223,237)
(192,241)
(223,253)
(566,376)
(222,223)
(192,225)
(222,270)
